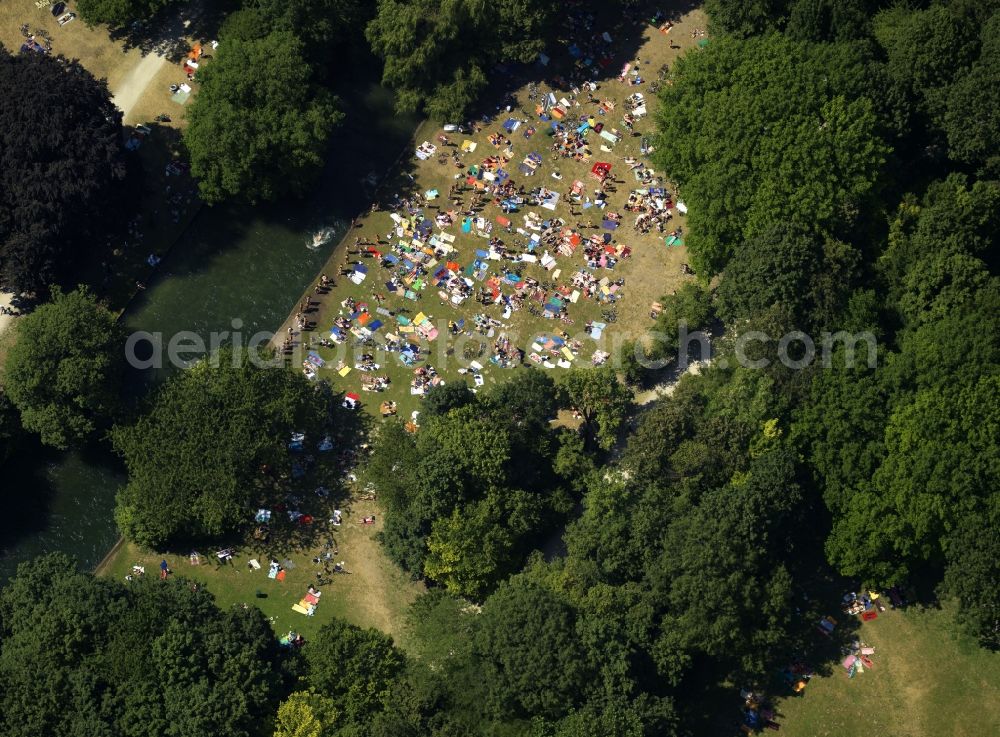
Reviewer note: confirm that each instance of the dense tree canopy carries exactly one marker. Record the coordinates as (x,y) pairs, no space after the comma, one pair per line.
(527,645)
(65,370)
(214,442)
(972,549)
(901,453)
(353,666)
(62,168)
(925,50)
(120,13)
(259,126)
(806,273)
(769,131)
(471,492)
(972,108)
(941,462)
(306,714)
(601,401)
(326,27)
(85,655)
(727,554)
(482,541)
(741,18)
(438,53)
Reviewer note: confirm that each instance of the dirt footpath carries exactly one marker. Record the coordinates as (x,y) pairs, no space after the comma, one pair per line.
(131,89)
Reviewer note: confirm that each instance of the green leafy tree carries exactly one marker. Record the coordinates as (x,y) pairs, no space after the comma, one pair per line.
(85,655)
(926,49)
(529,654)
(602,401)
(727,553)
(603,534)
(120,13)
(483,542)
(646,716)
(766,131)
(422,702)
(955,216)
(797,270)
(467,492)
(972,551)
(840,21)
(65,370)
(354,667)
(436,52)
(306,714)
(659,434)
(443,628)
(259,126)
(941,460)
(323,25)
(971,117)
(840,428)
(461,454)
(529,400)
(631,360)
(691,305)
(742,19)
(195,458)
(960,346)
(443,398)
(572,462)
(940,283)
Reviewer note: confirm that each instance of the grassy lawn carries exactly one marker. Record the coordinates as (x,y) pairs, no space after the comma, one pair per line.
(928,681)
(104,58)
(652,271)
(372,593)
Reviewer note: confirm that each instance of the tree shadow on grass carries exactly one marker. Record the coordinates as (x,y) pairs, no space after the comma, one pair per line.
(302,508)
(167,33)
(809,651)
(579,52)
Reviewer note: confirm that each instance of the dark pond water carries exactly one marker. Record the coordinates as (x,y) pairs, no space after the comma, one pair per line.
(234,262)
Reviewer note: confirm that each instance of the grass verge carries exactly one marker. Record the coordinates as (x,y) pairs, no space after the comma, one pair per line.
(928,681)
